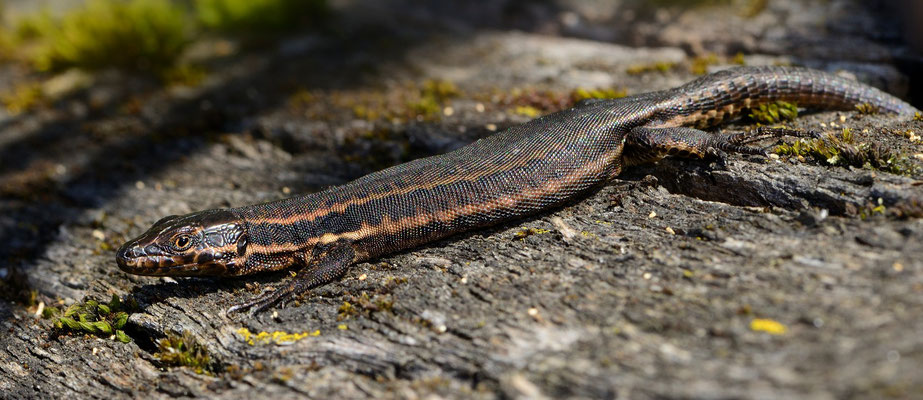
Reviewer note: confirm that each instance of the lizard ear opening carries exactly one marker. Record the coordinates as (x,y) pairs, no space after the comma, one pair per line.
(242,245)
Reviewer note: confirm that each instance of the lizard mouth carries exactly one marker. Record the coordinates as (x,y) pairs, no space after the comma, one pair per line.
(139,260)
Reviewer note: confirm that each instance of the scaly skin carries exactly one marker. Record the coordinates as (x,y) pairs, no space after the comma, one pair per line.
(523,170)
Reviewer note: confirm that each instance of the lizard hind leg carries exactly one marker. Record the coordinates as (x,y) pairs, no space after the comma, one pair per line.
(327,265)
(651,144)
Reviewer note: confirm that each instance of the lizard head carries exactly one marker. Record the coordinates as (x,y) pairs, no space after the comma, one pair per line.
(212,242)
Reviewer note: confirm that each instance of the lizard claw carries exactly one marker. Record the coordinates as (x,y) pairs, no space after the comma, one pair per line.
(263,301)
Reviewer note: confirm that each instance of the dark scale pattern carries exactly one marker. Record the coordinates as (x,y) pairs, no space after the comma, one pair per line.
(521,171)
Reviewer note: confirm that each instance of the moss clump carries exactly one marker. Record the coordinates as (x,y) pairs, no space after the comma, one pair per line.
(301,98)
(754,8)
(542,101)
(363,304)
(872,209)
(662,66)
(773,113)
(739,59)
(432,96)
(526,232)
(687,3)
(184,75)
(528,111)
(584,94)
(844,151)
(258,16)
(24,97)
(439,90)
(94,318)
(137,35)
(746,9)
(184,351)
(425,107)
(699,65)
(346,310)
(867,108)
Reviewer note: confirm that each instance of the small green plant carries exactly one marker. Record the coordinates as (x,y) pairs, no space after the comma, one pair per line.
(184,351)
(867,108)
(93,317)
(843,150)
(258,16)
(772,113)
(137,35)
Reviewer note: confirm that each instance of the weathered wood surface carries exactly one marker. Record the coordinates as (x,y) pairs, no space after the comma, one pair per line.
(645,289)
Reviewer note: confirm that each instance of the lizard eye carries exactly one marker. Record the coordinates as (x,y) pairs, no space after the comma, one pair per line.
(182,242)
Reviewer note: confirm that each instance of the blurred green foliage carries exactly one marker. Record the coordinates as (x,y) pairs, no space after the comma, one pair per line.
(258,16)
(138,35)
(147,36)
(745,8)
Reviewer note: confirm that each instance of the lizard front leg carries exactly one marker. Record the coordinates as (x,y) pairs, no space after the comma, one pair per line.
(327,264)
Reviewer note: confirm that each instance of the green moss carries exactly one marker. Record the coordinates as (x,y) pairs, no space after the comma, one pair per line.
(528,111)
(30,27)
(867,108)
(184,351)
(425,107)
(93,317)
(662,66)
(258,16)
(532,102)
(24,97)
(747,9)
(699,65)
(844,151)
(739,59)
(687,3)
(433,94)
(610,93)
(440,90)
(526,232)
(138,35)
(346,310)
(754,8)
(873,209)
(365,305)
(184,75)
(7,46)
(773,113)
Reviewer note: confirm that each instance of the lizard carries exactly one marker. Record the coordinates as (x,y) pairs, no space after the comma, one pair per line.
(526,169)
